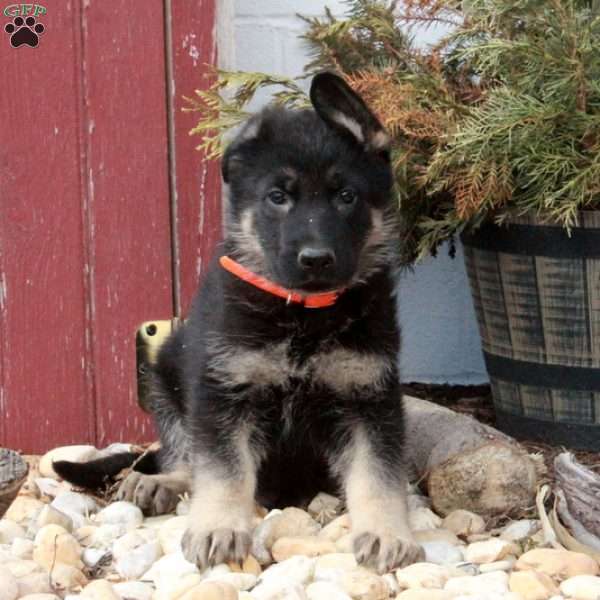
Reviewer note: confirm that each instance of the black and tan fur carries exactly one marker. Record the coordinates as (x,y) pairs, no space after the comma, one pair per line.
(260,400)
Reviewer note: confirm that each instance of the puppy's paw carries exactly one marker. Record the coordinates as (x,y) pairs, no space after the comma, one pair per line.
(386,552)
(210,548)
(148,493)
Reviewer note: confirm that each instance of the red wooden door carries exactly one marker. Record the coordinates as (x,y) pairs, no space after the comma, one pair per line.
(107,213)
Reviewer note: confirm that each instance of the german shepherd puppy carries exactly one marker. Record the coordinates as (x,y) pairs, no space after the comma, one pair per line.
(283,382)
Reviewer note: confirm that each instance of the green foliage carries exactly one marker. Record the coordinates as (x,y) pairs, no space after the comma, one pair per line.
(502,117)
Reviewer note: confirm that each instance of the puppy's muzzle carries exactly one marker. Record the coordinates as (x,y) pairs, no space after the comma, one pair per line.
(315,261)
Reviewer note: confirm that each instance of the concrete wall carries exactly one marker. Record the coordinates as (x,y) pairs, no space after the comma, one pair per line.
(441,342)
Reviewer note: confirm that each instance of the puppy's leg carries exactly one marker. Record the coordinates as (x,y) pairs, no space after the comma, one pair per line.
(375,489)
(222,505)
(155,494)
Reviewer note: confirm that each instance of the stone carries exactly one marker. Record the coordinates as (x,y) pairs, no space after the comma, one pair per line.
(66,577)
(324,508)
(423,575)
(49,515)
(211,590)
(392,584)
(124,514)
(53,544)
(286,547)
(463,523)
(499,565)
(325,590)
(9,588)
(488,583)
(77,506)
(49,487)
(9,531)
(134,555)
(84,535)
(171,532)
(34,583)
(297,569)
(70,453)
(23,510)
(489,551)
(22,548)
(40,596)
(422,518)
(559,564)
(23,568)
(519,530)
(279,590)
(531,585)
(442,553)
(99,589)
(436,535)
(362,584)
(240,581)
(581,587)
(329,566)
(105,535)
(250,565)
(291,522)
(422,594)
(174,587)
(168,568)
(338,528)
(92,557)
(345,544)
(134,590)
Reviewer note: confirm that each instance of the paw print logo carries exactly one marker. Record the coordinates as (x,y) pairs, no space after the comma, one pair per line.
(24,32)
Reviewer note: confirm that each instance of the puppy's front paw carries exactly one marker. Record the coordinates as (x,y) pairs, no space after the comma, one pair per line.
(210,548)
(386,552)
(148,493)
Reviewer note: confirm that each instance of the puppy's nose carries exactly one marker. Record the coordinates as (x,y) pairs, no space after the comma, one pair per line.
(316,259)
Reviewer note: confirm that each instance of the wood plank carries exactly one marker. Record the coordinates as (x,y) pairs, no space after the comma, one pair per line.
(197,181)
(130,254)
(46,395)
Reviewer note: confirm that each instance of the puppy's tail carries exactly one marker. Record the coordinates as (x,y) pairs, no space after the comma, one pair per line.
(97,474)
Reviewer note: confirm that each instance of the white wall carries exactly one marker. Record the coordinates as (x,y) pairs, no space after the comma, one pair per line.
(440,338)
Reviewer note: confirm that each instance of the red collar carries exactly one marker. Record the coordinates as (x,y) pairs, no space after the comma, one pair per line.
(308,301)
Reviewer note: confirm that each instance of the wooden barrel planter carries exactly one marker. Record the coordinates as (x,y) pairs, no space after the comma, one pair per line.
(536,292)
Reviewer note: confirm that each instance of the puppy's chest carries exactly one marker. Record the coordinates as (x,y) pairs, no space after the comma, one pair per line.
(295,365)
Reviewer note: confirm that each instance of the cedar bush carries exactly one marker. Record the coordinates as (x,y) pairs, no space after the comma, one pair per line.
(501,117)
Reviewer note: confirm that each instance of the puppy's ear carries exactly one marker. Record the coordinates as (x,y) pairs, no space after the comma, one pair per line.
(342,108)
(232,155)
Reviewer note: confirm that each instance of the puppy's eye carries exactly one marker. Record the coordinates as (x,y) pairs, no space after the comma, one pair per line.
(347,196)
(276,197)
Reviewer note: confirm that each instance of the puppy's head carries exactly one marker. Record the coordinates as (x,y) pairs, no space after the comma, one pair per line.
(309,191)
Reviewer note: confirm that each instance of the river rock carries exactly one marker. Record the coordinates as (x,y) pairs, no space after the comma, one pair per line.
(581,587)
(559,564)
(168,568)
(22,548)
(442,553)
(23,510)
(249,565)
(329,566)
(297,569)
(34,583)
(286,547)
(362,584)
(338,528)
(436,535)
(499,565)
(67,577)
(100,589)
(171,532)
(134,590)
(9,588)
(49,515)
(40,596)
(488,583)
(240,581)
(77,506)
(422,594)
(211,590)
(279,590)
(54,544)
(519,530)
(291,522)
(464,523)
(126,515)
(423,575)
(532,585)
(9,531)
(489,551)
(325,590)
